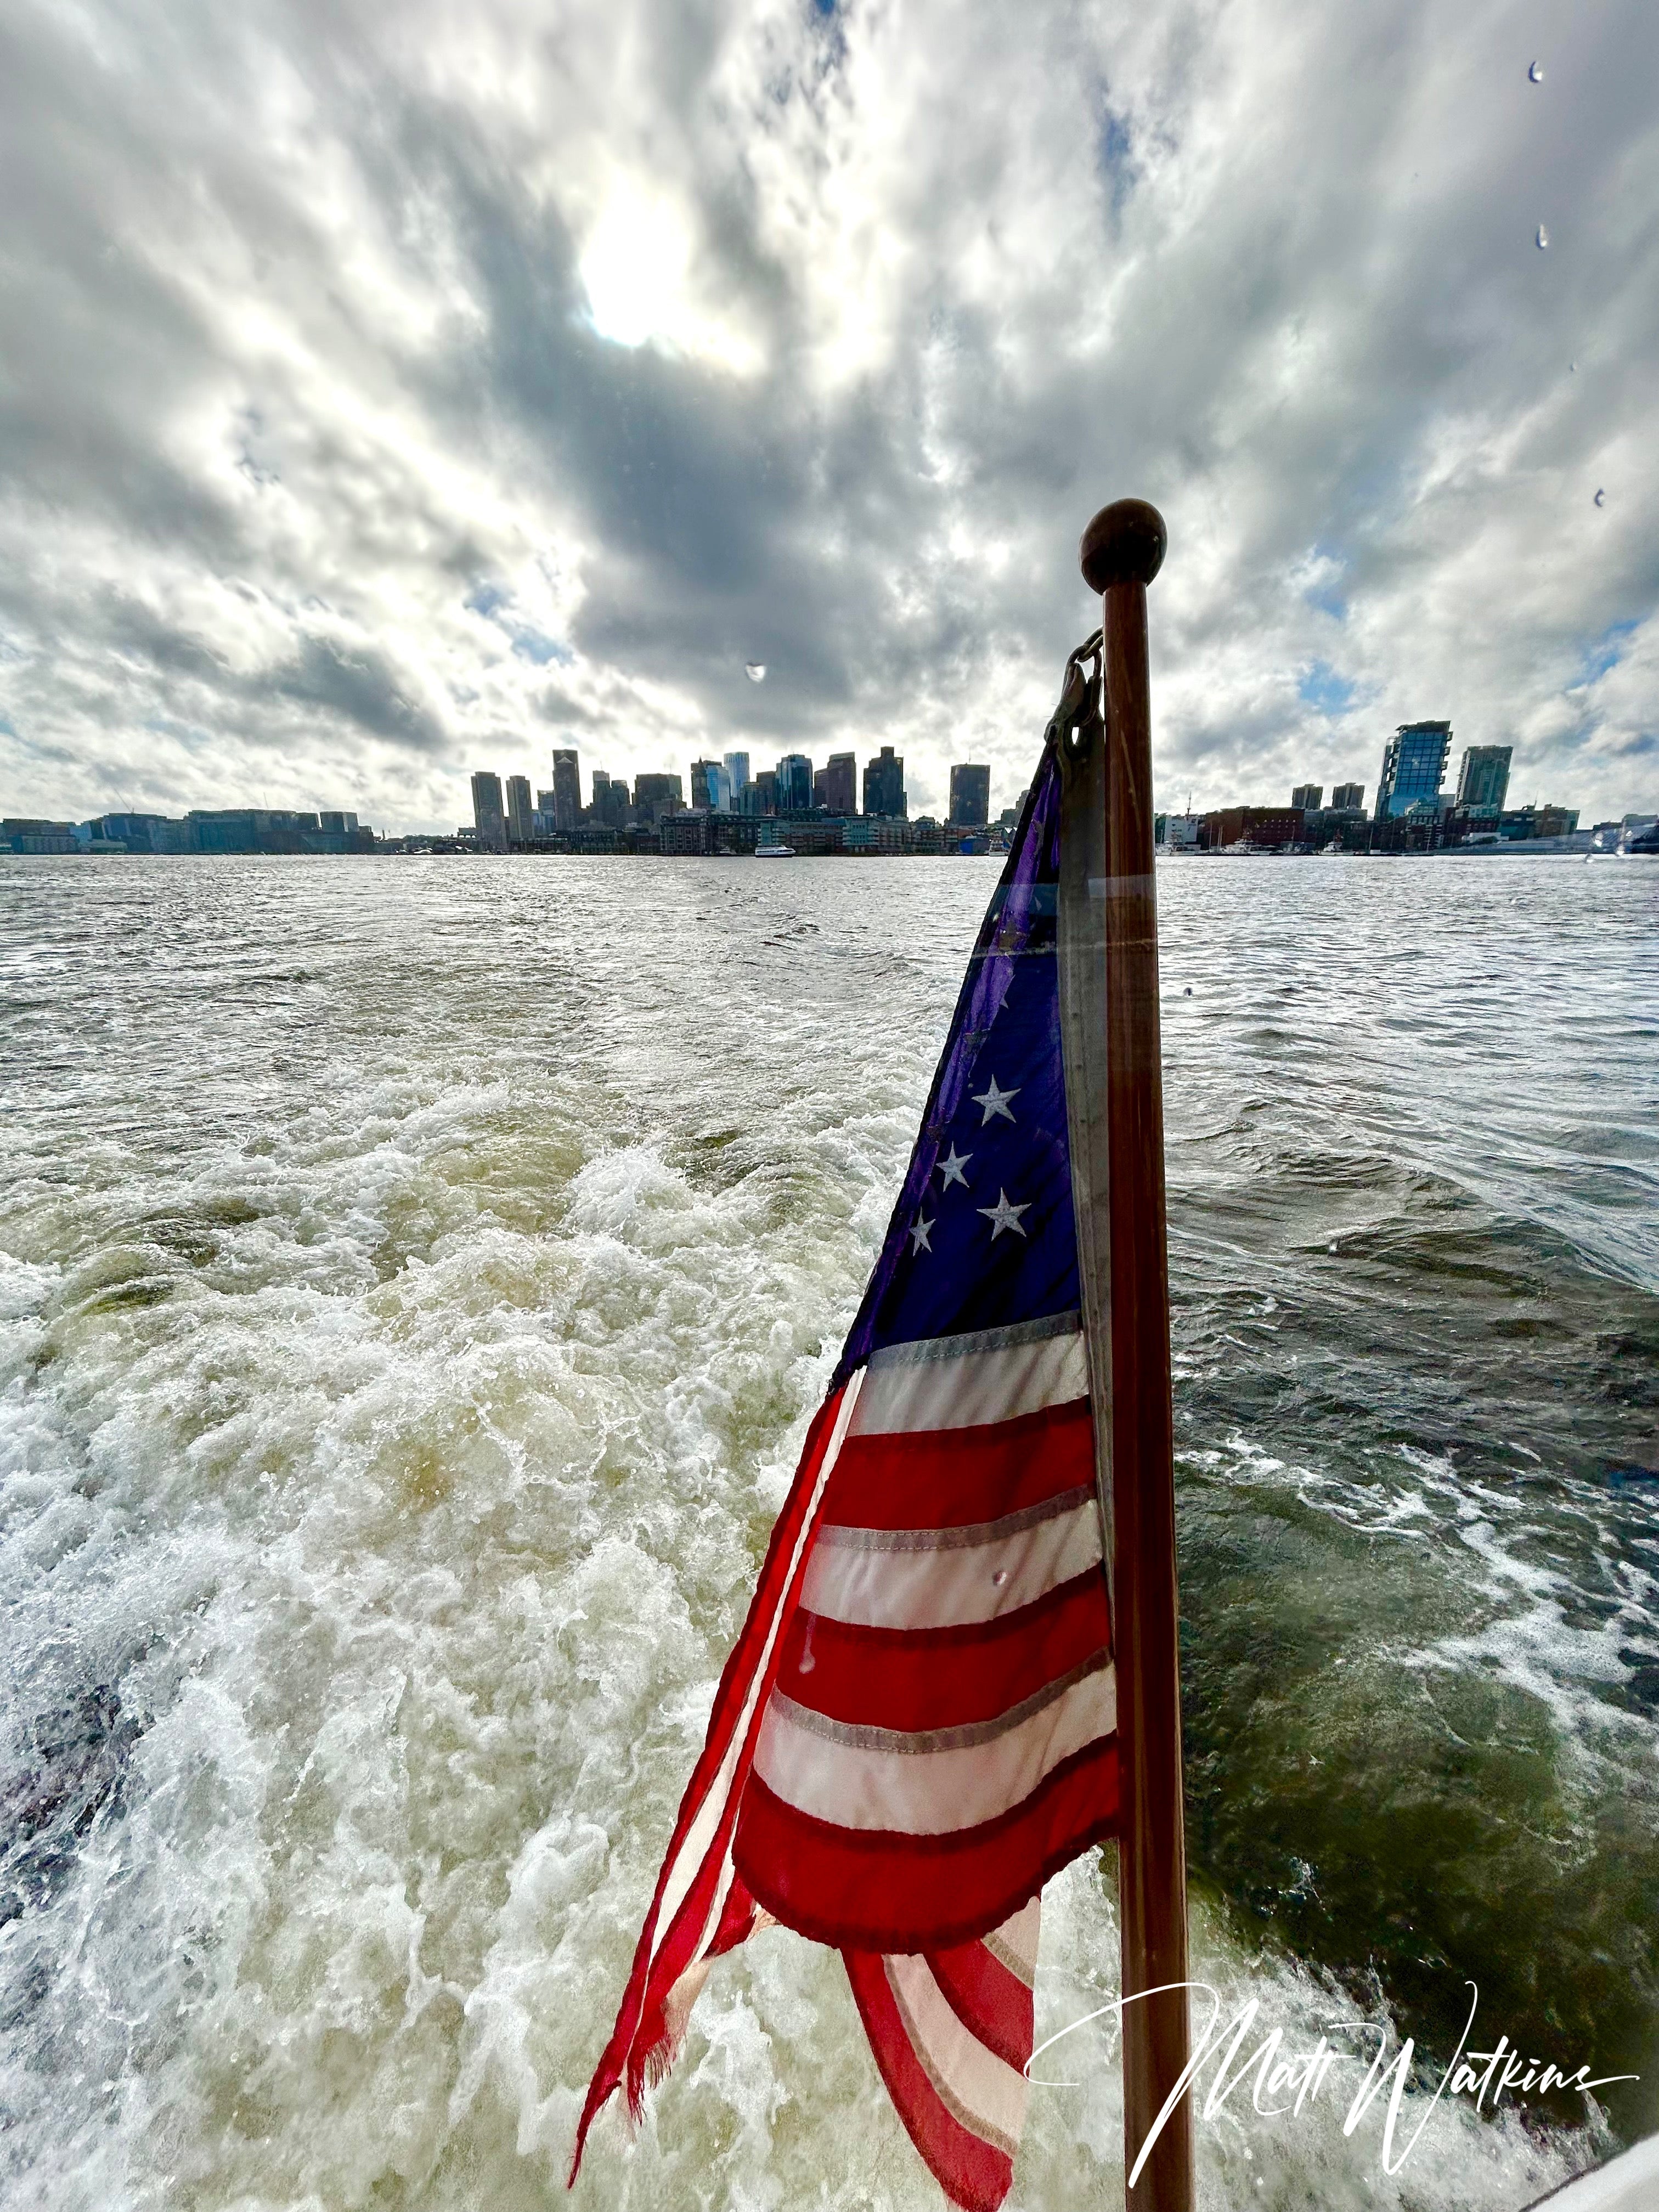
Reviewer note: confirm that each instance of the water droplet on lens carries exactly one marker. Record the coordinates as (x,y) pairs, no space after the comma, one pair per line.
(1001,1577)
(807,1662)
(1536,72)
(755,670)
(1543,238)
(1599,496)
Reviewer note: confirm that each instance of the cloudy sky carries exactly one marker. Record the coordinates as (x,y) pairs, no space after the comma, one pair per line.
(388,391)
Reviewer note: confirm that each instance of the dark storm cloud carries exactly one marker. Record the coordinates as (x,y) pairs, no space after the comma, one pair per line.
(361,688)
(385,395)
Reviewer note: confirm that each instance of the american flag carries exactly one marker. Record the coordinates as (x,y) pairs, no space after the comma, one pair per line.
(918,1724)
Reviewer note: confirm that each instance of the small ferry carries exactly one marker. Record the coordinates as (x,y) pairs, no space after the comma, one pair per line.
(774,852)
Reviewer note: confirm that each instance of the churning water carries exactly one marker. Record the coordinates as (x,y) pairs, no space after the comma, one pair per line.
(415,1281)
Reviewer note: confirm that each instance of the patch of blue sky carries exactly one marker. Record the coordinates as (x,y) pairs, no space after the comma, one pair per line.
(534,645)
(1319,686)
(1607,652)
(528,643)
(1114,155)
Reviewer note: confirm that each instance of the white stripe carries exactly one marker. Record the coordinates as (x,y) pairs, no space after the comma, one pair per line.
(957,1584)
(970,1392)
(1014,1945)
(701,1834)
(982,2091)
(930,1793)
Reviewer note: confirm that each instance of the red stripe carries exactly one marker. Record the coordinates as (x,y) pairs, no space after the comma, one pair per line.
(951,1478)
(737,1919)
(991,2004)
(905,1677)
(637,2045)
(867,1889)
(971,2172)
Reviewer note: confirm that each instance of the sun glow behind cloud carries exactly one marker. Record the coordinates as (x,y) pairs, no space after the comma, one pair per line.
(638,271)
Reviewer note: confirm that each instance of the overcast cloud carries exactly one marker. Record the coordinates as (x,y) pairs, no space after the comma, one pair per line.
(390,392)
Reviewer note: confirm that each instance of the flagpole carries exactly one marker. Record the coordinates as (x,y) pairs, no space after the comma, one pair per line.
(1121,551)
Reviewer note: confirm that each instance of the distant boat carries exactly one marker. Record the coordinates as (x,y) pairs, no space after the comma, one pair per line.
(774,852)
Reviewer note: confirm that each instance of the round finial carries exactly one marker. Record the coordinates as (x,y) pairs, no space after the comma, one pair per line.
(1124,544)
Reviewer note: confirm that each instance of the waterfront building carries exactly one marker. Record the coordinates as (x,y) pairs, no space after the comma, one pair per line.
(970,795)
(24,833)
(488,816)
(1308,797)
(835,786)
(794,784)
(1263,829)
(688,830)
(884,785)
(874,833)
(1483,779)
(1176,833)
(252,829)
(1537,821)
(1348,799)
(761,796)
(519,811)
(1413,768)
(567,788)
(147,833)
(657,795)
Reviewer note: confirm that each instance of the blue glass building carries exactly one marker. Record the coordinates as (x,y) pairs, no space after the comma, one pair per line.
(794,784)
(1413,767)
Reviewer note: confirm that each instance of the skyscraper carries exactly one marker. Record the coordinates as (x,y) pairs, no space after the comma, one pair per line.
(1348,799)
(1413,764)
(610,799)
(711,785)
(883,784)
(1308,796)
(519,829)
(794,784)
(567,790)
(835,786)
(737,767)
(970,795)
(1483,779)
(487,815)
(657,795)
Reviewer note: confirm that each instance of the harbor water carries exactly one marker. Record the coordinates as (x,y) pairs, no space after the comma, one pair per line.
(416,1278)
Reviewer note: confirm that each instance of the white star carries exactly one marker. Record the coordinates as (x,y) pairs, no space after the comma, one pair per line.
(1003,1216)
(920,1231)
(995,1101)
(951,1169)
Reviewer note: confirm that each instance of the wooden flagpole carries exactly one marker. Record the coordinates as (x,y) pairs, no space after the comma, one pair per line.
(1121,551)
